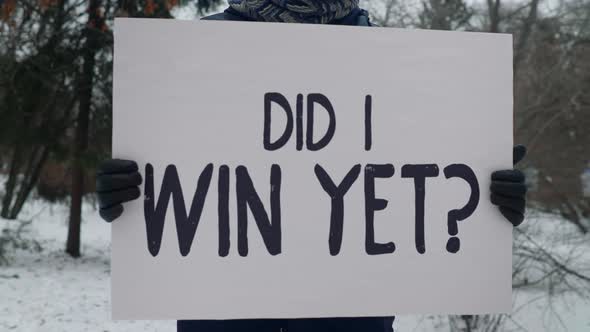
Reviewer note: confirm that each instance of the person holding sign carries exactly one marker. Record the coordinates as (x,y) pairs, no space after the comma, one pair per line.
(118,180)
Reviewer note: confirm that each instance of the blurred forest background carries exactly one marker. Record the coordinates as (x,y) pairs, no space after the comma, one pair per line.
(56,59)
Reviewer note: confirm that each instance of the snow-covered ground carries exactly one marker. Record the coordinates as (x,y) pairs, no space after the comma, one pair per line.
(49,291)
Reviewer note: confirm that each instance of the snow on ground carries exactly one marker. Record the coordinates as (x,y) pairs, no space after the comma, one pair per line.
(49,291)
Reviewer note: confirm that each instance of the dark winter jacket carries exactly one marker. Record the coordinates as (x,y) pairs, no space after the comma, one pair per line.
(358,17)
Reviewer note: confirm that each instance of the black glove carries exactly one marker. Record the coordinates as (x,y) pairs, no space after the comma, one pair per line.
(509,190)
(117,182)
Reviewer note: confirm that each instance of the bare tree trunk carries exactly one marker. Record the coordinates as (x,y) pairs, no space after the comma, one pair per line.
(527,29)
(81,139)
(439,18)
(37,160)
(11,182)
(494,15)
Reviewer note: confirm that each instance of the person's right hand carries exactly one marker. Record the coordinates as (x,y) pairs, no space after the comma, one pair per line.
(117,182)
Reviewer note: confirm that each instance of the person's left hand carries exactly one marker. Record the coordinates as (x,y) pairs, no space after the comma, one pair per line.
(509,189)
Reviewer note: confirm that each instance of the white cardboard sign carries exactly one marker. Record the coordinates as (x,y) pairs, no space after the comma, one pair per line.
(382,140)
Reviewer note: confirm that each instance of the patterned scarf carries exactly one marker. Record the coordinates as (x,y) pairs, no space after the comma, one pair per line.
(294,11)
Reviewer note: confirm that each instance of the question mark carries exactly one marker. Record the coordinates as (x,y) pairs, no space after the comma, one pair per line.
(466,173)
